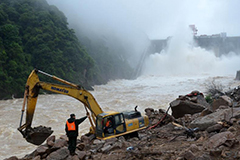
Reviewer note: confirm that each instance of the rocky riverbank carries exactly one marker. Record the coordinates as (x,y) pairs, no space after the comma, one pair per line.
(196,130)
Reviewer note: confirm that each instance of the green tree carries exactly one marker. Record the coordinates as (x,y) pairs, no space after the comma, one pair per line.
(35,35)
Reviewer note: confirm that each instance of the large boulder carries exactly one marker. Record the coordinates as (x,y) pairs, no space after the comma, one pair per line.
(209,120)
(180,108)
(221,101)
(59,143)
(224,138)
(51,140)
(60,154)
(189,104)
(41,150)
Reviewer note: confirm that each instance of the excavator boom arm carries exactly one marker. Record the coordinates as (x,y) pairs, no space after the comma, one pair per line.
(80,94)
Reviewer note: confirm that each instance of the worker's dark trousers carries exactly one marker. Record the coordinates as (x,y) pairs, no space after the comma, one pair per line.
(72,142)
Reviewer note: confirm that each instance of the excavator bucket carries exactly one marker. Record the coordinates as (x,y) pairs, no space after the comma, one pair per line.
(38,135)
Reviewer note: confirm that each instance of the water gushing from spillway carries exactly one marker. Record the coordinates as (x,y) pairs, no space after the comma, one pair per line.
(183,57)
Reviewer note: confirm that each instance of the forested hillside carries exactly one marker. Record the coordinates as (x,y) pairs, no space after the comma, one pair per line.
(34,34)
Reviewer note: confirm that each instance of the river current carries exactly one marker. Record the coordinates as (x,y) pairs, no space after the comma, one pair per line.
(153,91)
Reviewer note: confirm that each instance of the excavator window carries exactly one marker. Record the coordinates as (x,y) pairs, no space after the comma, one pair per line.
(99,124)
(119,123)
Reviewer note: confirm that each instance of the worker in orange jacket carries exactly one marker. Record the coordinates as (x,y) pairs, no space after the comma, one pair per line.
(108,126)
(71,129)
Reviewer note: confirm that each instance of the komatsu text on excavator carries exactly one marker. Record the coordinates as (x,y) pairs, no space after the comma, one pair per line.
(121,123)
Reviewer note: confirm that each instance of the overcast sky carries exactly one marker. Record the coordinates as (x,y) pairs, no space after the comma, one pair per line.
(156,18)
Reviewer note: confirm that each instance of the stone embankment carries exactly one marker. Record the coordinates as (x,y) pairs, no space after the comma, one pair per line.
(196,130)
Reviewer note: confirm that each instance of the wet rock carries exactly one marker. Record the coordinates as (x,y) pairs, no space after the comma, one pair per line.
(111,140)
(221,101)
(188,155)
(232,129)
(121,138)
(203,157)
(97,141)
(203,123)
(80,146)
(180,108)
(149,111)
(187,118)
(205,112)
(106,148)
(60,154)
(220,139)
(223,107)
(37,158)
(180,158)
(81,154)
(64,137)
(41,150)
(12,158)
(85,139)
(155,121)
(236,104)
(215,153)
(59,143)
(214,128)
(75,157)
(233,120)
(51,140)
(97,156)
(228,100)
(126,144)
(201,100)
(235,95)
(226,154)
(209,120)
(69,157)
(97,147)
(194,148)
(117,145)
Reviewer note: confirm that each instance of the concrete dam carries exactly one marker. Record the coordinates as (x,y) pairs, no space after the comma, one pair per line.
(220,44)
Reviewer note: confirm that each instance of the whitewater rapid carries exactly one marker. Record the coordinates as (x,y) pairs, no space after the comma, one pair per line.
(119,95)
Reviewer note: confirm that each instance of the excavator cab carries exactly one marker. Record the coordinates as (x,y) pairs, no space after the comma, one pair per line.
(117,125)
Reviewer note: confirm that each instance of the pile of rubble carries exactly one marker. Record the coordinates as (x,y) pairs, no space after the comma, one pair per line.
(196,130)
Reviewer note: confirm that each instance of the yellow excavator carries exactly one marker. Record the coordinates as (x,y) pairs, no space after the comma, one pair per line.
(123,123)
